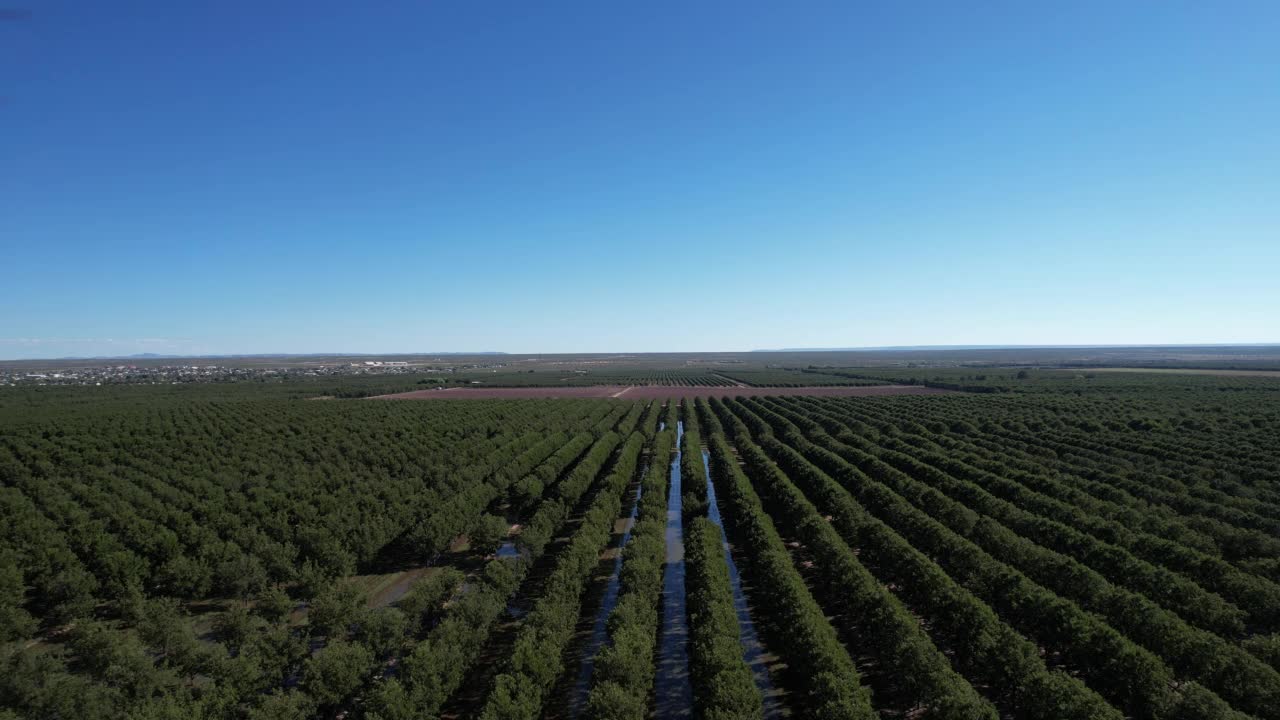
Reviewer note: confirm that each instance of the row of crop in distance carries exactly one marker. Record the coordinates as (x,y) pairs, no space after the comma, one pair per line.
(948,531)
(260,650)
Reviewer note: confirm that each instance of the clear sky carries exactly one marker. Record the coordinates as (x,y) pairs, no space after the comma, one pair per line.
(236,177)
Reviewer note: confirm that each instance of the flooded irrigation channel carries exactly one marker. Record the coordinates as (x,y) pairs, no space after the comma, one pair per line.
(753,650)
(599,631)
(672,690)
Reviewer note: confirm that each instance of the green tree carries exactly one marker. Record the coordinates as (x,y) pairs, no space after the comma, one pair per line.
(165,628)
(334,609)
(390,701)
(273,604)
(186,577)
(1265,647)
(292,705)
(279,652)
(382,630)
(336,672)
(15,622)
(241,576)
(514,697)
(124,572)
(426,598)
(235,626)
(117,659)
(611,701)
(488,531)
(313,578)
(70,592)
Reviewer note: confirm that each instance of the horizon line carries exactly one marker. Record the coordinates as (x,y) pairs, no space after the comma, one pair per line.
(868,348)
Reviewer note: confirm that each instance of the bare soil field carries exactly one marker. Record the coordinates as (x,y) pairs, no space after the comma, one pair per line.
(655,392)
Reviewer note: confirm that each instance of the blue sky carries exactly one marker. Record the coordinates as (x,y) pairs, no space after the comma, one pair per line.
(556,177)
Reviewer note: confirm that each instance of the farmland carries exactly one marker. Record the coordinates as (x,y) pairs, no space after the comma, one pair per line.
(825,540)
(659,392)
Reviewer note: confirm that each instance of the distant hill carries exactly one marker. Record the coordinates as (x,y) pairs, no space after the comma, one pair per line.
(273,356)
(909,348)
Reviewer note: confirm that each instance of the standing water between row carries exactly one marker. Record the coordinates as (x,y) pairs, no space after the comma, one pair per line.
(752,649)
(672,688)
(599,631)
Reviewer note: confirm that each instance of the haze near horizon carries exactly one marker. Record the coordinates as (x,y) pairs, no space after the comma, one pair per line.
(326,178)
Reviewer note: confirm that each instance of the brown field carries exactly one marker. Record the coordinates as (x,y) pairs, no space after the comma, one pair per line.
(654,392)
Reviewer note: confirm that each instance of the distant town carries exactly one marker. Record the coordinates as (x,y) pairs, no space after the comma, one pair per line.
(148,374)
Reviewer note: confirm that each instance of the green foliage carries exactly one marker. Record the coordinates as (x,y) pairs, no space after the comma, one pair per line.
(335,672)
(723,687)
(488,531)
(624,669)
(1145,687)
(1052,544)
(536,658)
(390,701)
(235,627)
(334,610)
(437,666)
(166,630)
(116,659)
(693,471)
(291,705)
(382,631)
(1266,648)
(796,377)
(15,621)
(273,605)
(424,602)
(793,623)
(610,700)
(273,656)
(514,697)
